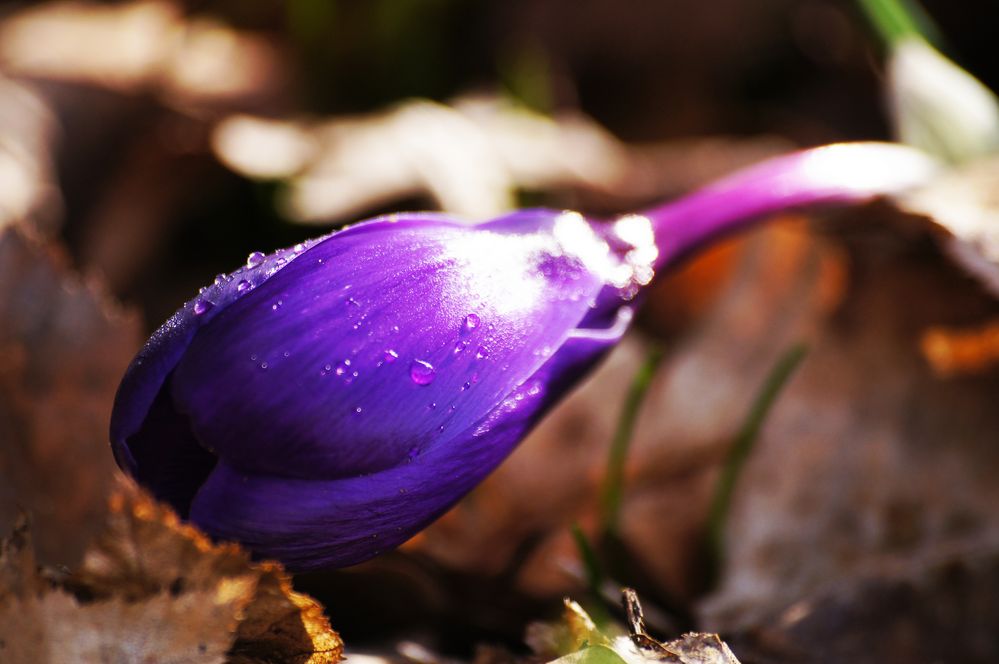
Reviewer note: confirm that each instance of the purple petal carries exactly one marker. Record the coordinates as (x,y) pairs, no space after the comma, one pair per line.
(147,373)
(316,523)
(382,343)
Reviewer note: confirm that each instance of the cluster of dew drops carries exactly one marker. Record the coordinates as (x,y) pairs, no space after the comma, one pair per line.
(421,372)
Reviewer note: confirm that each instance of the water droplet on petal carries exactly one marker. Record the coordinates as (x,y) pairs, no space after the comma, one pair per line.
(342,368)
(471,322)
(481,353)
(390,356)
(255,259)
(220,279)
(263,365)
(358,410)
(422,372)
(277,305)
(202,306)
(460,346)
(243,286)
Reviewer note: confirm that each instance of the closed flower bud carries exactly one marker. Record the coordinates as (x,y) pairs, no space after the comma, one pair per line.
(324,403)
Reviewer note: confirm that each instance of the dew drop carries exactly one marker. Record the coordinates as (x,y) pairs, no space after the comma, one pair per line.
(465,386)
(471,322)
(243,286)
(390,356)
(263,365)
(422,372)
(202,306)
(460,346)
(342,368)
(277,305)
(481,353)
(220,279)
(358,410)
(298,248)
(254,259)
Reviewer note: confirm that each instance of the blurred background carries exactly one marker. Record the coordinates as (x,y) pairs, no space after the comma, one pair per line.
(147,146)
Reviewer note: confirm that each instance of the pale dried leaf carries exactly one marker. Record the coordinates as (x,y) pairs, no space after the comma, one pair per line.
(698,648)
(470,157)
(162,629)
(964,204)
(27,137)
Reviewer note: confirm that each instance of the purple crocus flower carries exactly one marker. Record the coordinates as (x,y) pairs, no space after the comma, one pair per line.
(326,402)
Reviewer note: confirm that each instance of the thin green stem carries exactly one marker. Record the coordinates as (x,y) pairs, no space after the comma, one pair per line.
(614,480)
(591,564)
(743,445)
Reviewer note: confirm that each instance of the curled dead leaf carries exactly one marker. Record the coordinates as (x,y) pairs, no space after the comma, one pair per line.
(154,589)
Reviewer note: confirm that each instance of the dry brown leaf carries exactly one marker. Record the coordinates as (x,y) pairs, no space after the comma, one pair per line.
(869,461)
(145,45)
(63,349)
(942,611)
(43,625)
(153,589)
